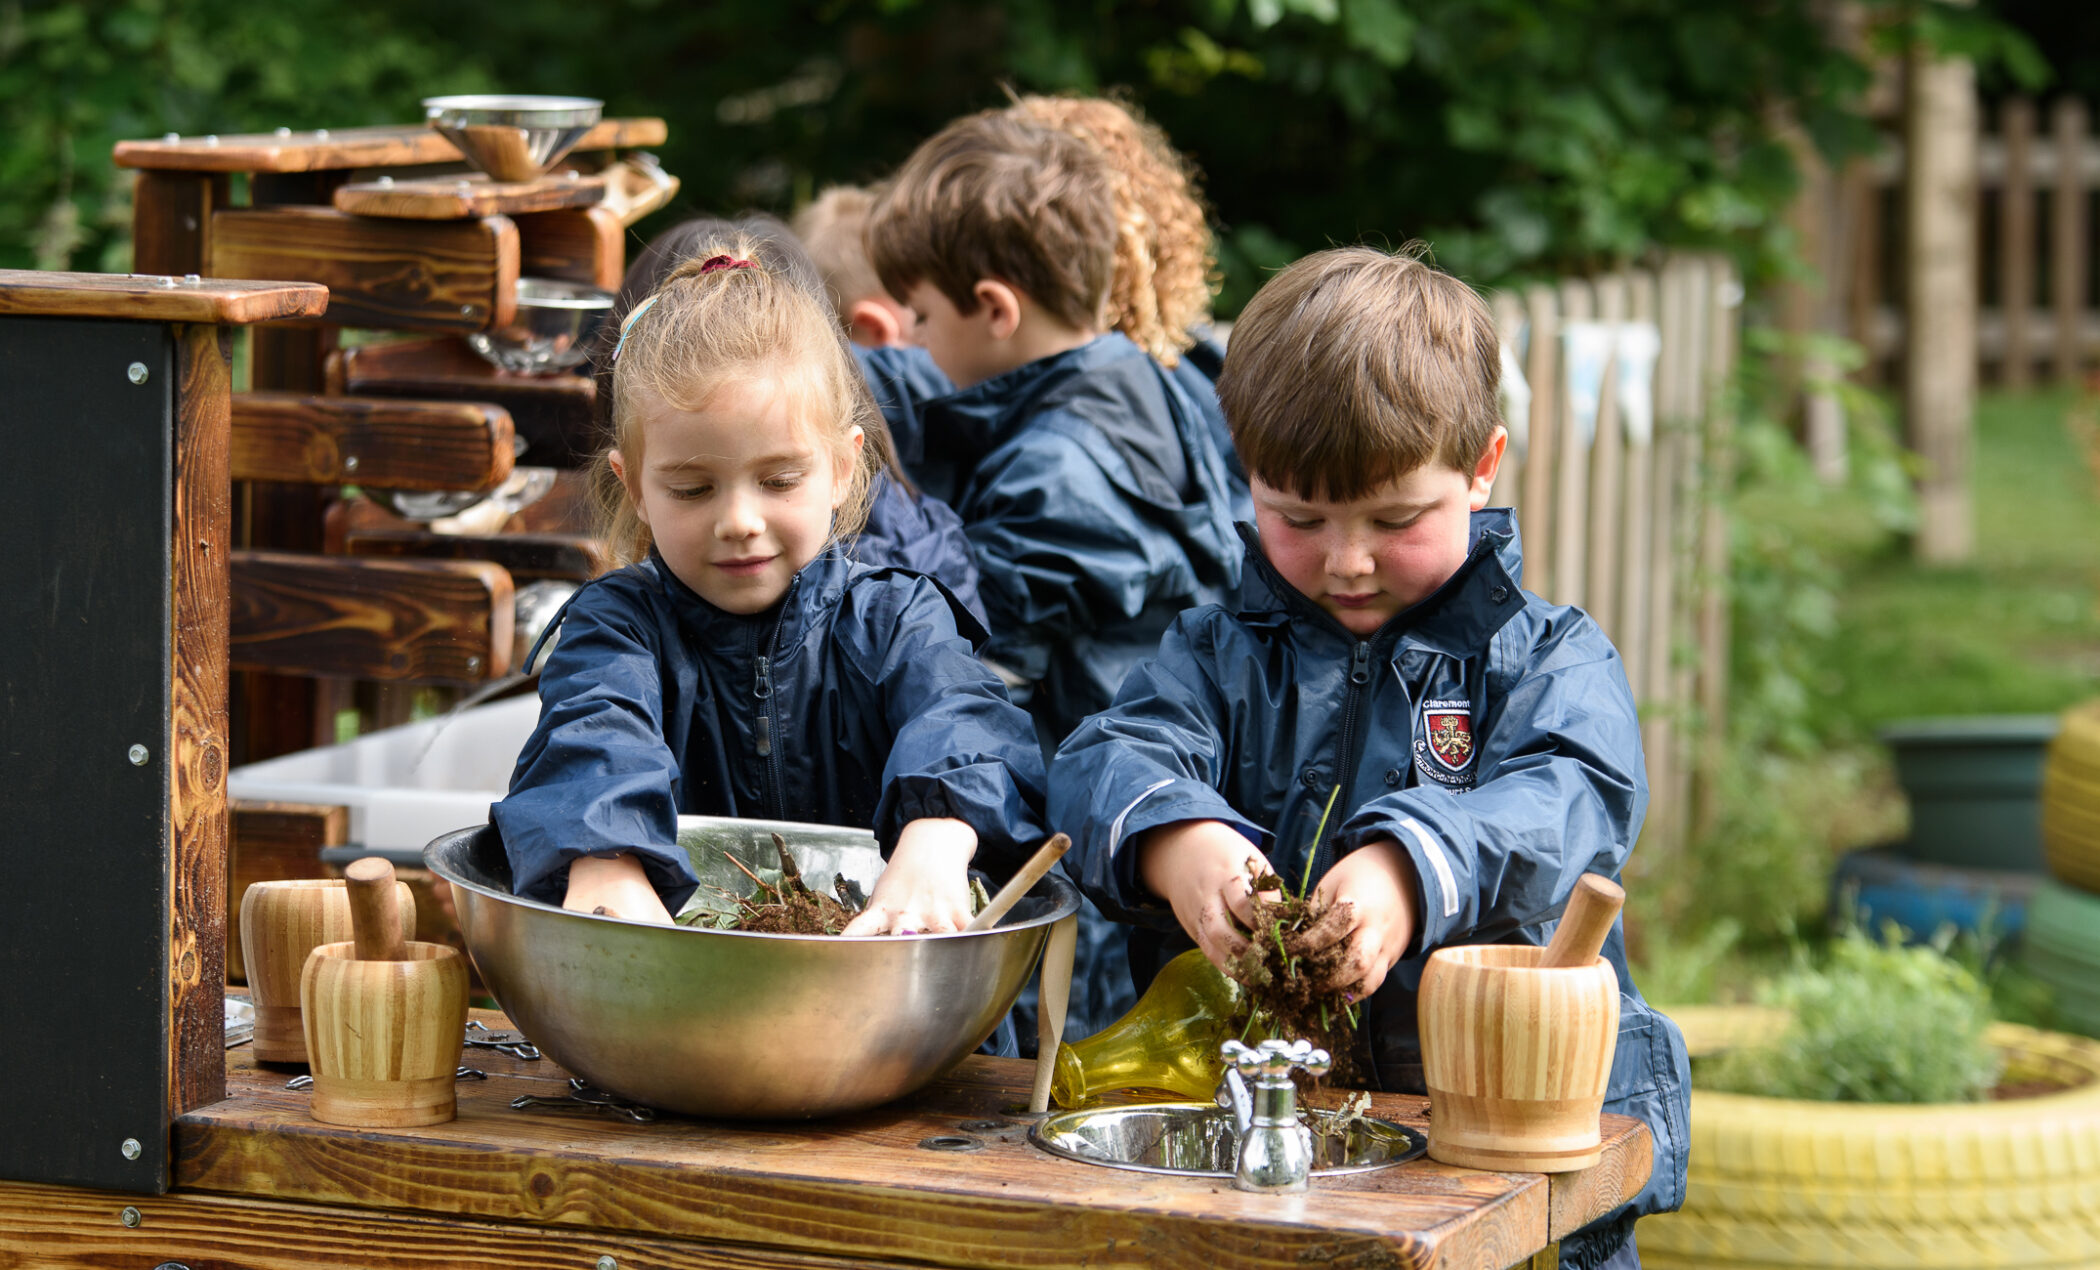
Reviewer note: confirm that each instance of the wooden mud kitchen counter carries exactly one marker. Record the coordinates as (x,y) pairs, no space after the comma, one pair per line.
(131,1138)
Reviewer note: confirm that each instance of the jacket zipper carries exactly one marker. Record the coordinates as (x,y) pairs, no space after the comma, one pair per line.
(1345,772)
(763,728)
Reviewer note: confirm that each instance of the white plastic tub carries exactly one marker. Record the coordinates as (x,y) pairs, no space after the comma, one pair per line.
(404,786)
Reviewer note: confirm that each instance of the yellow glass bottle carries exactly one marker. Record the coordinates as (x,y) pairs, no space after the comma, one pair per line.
(1169,1040)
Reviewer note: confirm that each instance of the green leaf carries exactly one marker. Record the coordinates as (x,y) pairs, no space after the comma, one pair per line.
(1381,28)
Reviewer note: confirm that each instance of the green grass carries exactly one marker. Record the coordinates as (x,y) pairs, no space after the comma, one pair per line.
(2015,631)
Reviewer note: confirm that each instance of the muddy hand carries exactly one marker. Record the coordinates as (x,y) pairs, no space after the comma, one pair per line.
(1372,891)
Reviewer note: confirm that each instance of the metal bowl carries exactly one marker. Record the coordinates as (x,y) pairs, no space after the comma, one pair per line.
(735,1025)
(512,137)
(552,331)
(1201,1140)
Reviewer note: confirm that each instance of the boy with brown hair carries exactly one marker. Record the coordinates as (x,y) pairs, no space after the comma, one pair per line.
(1380,707)
(831,228)
(1090,488)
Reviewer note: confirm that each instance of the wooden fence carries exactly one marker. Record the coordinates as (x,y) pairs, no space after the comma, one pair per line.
(2036,178)
(1624,447)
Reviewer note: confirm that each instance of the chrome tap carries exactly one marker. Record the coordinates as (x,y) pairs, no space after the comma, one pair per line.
(1275,1150)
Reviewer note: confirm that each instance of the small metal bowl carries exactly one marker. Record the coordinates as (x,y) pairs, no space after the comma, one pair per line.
(552,331)
(512,137)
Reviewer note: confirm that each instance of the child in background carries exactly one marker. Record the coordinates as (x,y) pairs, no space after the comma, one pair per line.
(740,665)
(903,527)
(1092,492)
(1479,747)
(1166,260)
(831,228)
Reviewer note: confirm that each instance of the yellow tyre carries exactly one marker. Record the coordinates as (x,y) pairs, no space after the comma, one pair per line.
(2078,738)
(2071,842)
(2071,799)
(1777,1183)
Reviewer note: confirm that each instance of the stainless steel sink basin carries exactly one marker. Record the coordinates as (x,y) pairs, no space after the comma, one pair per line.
(1200,1140)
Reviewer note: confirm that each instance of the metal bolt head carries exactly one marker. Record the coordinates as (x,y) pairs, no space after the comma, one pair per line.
(192,278)
(386,182)
(211,139)
(131,1217)
(320,134)
(137,371)
(138,754)
(131,1148)
(608,1263)
(282,132)
(466,310)
(170,138)
(473,665)
(350,463)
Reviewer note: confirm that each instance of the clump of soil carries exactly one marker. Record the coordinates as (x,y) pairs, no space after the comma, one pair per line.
(1292,983)
(792,908)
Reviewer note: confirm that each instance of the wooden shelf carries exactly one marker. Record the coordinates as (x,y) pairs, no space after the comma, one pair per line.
(458,197)
(336,148)
(153,298)
(858,1190)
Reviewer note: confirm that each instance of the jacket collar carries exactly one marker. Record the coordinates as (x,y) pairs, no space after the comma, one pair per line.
(1457,619)
(814,589)
(974,421)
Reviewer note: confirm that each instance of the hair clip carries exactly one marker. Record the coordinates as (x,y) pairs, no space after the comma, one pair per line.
(713,263)
(627,324)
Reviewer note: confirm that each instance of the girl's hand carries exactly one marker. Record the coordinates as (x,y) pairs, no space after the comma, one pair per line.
(1204,870)
(1371,910)
(615,886)
(926,885)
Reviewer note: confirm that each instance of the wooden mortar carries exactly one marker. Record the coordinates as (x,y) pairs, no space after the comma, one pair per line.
(1517,1044)
(282,922)
(385,1016)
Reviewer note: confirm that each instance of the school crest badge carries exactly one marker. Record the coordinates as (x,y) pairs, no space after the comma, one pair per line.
(1448,730)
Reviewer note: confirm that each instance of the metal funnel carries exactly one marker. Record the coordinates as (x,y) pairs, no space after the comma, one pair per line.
(511,137)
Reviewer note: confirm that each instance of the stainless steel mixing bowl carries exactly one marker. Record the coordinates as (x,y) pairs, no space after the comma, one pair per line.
(735,1025)
(512,137)
(555,324)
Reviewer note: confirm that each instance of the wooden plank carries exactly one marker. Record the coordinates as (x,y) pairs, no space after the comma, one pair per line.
(1542,367)
(1868,289)
(587,246)
(2067,238)
(474,194)
(372,619)
(169,213)
(1714,597)
(143,298)
(1638,523)
(2016,241)
(65,1228)
(556,414)
(527,557)
(330,148)
(1658,711)
(1669,804)
(199,748)
(270,842)
(1509,325)
(858,1186)
(1939,267)
(388,444)
(1601,582)
(413,275)
(1571,466)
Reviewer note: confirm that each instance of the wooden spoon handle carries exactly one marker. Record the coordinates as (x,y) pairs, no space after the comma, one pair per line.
(1032,872)
(1591,910)
(1051,1006)
(375,918)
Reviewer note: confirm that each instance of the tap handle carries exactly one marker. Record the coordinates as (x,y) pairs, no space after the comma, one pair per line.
(1274,1059)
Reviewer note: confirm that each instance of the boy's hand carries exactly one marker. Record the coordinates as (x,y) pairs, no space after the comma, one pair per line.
(1371,894)
(615,886)
(926,885)
(1202,868)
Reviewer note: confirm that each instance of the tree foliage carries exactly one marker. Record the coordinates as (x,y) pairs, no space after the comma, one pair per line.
(1518,136)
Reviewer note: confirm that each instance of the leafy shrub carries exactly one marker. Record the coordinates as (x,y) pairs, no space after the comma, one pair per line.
(1877,1022)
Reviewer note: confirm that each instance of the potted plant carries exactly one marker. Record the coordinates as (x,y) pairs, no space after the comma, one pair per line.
(1874,1116)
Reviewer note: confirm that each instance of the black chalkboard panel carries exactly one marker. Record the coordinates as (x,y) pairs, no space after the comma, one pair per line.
(85,487)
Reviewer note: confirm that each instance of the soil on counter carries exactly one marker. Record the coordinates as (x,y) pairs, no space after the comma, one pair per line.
(1292,986)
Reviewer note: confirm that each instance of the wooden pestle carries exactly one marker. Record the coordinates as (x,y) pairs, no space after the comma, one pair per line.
(1583,926)
(1052,1002)
(1030,873)
(375,922)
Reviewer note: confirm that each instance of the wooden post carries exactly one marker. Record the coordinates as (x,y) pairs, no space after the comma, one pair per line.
(1509,482)
(1571,485)
(1535,513)
(1718,478)
(1606,477)
(1939,250)
(1639,519)
(2016,242)
(2067,239)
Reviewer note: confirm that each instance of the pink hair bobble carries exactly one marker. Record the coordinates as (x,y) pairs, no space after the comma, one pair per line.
(713,263)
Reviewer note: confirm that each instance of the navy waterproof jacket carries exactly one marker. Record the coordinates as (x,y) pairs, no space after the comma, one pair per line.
(854,701)
(1095,500)
(916,532)
(1490,734)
